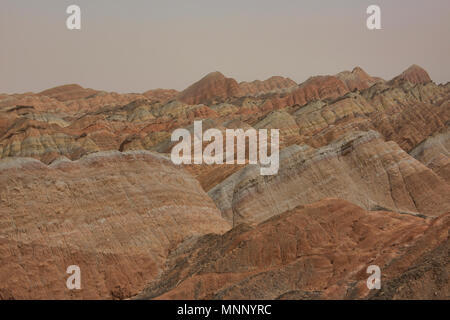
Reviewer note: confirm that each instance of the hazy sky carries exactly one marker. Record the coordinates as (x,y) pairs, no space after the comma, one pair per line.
(136,45)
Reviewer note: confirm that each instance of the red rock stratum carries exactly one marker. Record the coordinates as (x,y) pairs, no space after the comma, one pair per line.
(317,251)
(115,215)
(86,179)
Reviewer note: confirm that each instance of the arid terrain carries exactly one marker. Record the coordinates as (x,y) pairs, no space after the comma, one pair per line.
(364,179)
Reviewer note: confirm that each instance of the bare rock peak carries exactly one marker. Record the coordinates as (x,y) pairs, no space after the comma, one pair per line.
(359,70)
(213,87)
(414,74)
(215,74)
(64,87)
(68,92)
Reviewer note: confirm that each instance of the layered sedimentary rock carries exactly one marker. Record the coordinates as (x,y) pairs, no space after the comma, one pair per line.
(315,88)
(357,79)
(47,141)
(282,121)
(213,87)
(422,272)
(316,112)
(360,167)
(322,122)
(273,84)
(30,100)
(115,215)
(409,114)
(161,95)
(68,92)
(434,152)
(377,145)
(100,101)
(87,100)
(316,251)
(322,107)
(414,74)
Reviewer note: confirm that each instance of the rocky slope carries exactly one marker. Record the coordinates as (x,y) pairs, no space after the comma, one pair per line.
(317,251)
(363,179)
(422,272)
(434,152)
(161,95)
(115,215)
(213,87)
(357,79)
(273,84)
(414,74)
(360,167)
(322,108)
(68,92)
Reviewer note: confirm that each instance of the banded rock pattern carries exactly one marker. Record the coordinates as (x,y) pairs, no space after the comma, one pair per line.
(361,168)
(316,251)
(115,215)
(363,180)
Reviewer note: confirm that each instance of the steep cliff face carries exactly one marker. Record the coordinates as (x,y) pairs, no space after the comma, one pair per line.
(115,215)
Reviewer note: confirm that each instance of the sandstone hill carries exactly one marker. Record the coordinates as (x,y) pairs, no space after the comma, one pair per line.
(414,74)
(273,84)
(115,215)
(364,179)
(212,87)
(68,92)
(316,251)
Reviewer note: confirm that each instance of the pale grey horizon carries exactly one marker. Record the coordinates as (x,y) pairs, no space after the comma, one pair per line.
(134,46)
